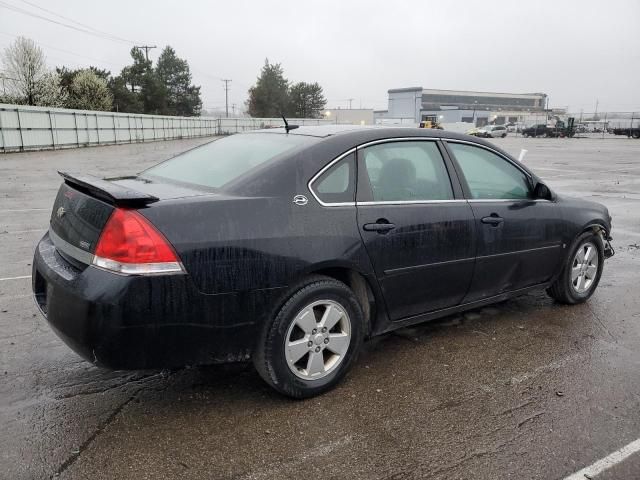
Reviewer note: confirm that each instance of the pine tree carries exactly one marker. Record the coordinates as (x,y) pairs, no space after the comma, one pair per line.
(269,97)
(173,73)
(306,100)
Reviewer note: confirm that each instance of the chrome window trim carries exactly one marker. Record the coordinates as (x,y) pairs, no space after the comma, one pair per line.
(399,139)
(411,202)
(324,169)
(415,202)
(488,200)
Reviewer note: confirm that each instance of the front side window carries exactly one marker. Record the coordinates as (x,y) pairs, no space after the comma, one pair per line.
(407,171)
(490,176)
(337,184)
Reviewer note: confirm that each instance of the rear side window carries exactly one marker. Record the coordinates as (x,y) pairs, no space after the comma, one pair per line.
(407,171)
(337,184)
(220,162)
(488,175)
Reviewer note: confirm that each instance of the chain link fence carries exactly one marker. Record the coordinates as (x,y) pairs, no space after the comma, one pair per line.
(585,124)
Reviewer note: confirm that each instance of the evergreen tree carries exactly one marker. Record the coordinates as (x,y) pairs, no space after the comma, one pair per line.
(173,73)
(124,100)
(134,74)
(269,97)
(306,100)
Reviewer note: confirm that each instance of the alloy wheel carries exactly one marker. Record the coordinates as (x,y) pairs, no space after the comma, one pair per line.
(584,268)
(317,339)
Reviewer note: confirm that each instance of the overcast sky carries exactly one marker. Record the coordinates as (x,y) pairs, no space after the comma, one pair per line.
(575,51)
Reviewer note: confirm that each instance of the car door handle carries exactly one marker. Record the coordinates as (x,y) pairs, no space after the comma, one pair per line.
(378,227)
(493,220)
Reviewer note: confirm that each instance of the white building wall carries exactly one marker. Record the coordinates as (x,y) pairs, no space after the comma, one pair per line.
(405,104)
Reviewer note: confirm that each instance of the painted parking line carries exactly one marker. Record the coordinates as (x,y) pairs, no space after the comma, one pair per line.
(26,209)
(16,232)
(600,172)
(609,461)
(14,278)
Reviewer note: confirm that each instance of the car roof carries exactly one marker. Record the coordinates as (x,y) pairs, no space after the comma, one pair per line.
(319,130)
(356,132)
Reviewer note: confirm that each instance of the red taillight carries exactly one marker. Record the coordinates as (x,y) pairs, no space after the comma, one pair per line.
(129,243)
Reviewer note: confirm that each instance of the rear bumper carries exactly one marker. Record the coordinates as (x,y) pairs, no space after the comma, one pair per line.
(130,322)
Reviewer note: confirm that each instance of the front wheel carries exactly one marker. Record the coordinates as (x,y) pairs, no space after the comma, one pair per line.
(581,272)
(313,340)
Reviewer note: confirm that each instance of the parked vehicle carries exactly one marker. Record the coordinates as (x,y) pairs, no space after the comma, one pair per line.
(629,132)
(290,247)
(491,131)
(560,129)
(539,130)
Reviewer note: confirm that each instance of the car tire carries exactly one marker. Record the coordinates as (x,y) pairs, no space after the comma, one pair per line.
(296,330)
(567,288)
(504,135)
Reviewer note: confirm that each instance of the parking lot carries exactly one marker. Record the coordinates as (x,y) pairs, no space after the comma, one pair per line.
(524,389)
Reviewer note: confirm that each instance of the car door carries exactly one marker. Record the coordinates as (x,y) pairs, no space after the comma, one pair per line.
(519,238)
(418,230)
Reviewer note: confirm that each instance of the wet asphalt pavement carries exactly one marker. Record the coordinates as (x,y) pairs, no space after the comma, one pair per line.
(523,389)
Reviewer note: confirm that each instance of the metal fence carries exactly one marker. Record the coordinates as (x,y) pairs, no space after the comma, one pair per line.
(37,128)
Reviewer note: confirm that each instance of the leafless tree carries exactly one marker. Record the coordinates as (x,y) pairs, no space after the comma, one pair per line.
(25,66)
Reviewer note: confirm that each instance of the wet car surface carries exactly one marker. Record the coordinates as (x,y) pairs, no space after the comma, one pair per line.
(524,389)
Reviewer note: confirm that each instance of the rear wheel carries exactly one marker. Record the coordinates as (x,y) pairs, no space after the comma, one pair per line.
(504,135)
(313,340)
(581,272)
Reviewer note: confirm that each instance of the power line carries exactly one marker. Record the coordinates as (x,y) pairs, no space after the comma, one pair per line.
(64,51)
(104,36)
(75,21)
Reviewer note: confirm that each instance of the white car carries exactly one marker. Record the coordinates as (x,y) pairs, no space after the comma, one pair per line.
(492,131)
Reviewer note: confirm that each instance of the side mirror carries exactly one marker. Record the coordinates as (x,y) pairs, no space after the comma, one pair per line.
(541,191)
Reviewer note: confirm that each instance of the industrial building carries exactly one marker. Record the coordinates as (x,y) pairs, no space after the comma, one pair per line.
(412,105)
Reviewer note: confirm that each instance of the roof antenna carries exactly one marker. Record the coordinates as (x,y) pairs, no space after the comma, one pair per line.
(288,127)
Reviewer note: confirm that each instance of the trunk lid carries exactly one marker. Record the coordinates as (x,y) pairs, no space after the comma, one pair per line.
(84,204)
(77,219)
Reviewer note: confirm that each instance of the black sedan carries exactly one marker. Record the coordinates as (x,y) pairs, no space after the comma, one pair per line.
(290,247)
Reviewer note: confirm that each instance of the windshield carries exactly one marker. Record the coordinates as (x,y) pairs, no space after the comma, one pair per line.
(217,163)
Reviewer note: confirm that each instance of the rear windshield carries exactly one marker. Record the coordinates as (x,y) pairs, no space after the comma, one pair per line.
(217,163)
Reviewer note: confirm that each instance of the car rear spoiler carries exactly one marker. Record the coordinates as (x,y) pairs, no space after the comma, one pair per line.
(108,191)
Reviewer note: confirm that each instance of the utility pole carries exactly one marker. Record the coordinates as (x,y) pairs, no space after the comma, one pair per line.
(146,49)
(226,95)
(350,100)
